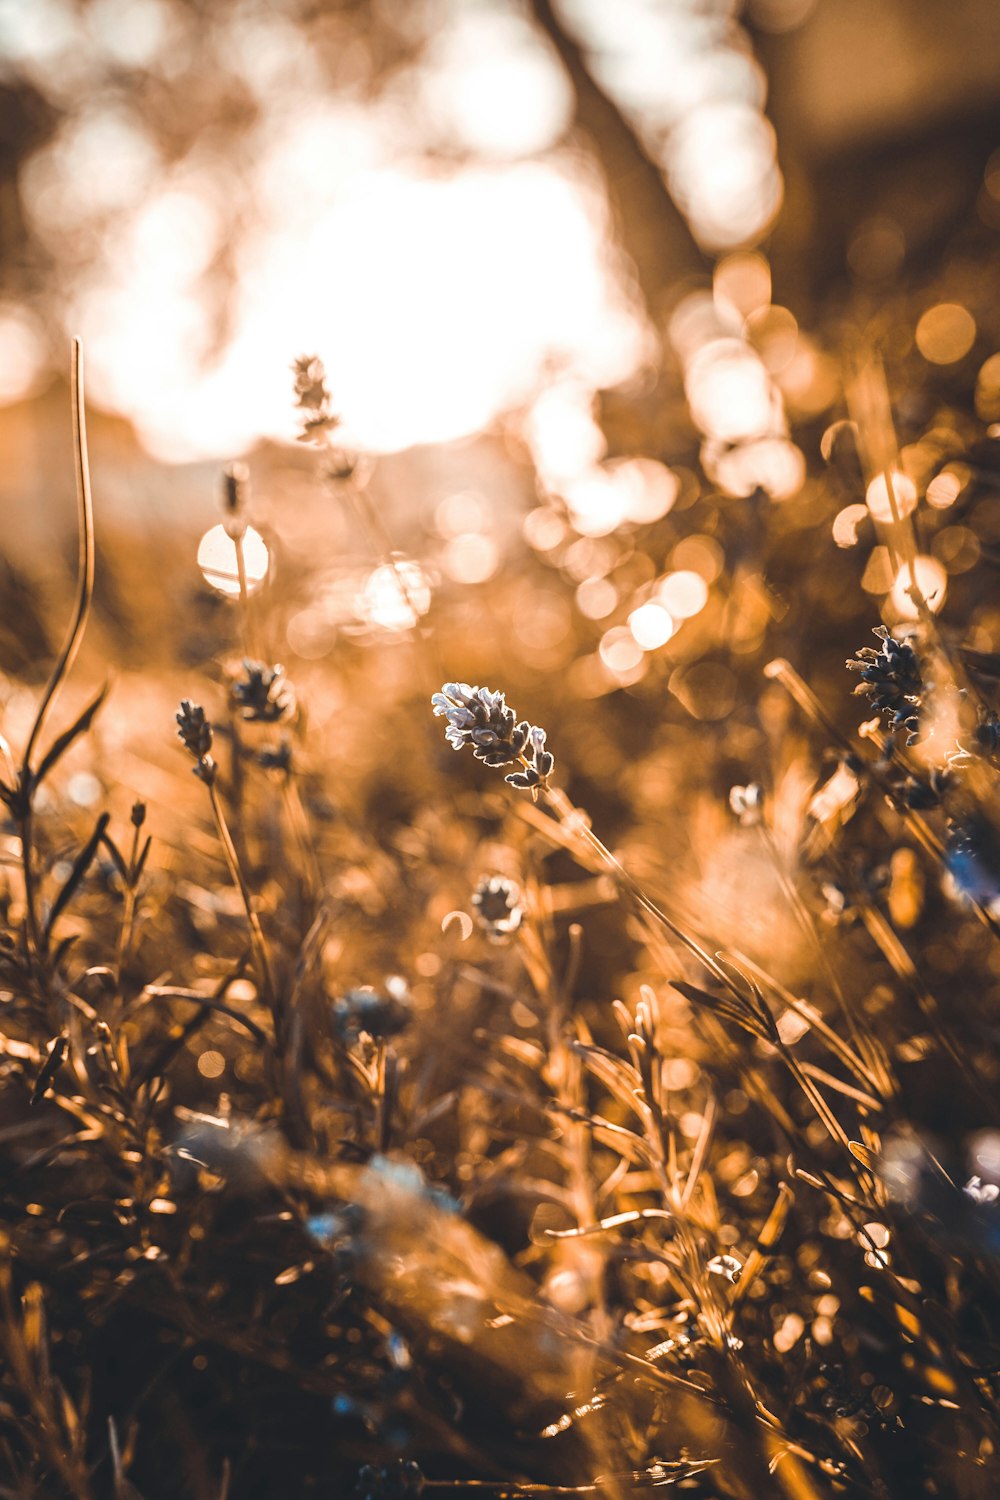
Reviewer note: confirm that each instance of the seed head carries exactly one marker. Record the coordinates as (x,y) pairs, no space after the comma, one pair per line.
(891,677)
(262,693)
(497,905)
(235,498)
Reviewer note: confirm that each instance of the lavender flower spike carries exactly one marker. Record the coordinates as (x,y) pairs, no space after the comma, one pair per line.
(479,717)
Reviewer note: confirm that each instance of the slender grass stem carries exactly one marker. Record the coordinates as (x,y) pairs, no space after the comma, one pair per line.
(86,554)
(246,608)
(67,656)
(257,939)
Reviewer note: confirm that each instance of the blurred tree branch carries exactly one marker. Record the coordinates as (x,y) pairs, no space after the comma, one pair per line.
(652,229)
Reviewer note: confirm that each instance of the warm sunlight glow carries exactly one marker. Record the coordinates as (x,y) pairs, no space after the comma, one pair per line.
(651,626)
(903,497)
(218,561)
(622,654)
(946,333)
(729,392)
(683,593)
(22,353)
(931,581)
(649,487)
(475,279)
(395,596)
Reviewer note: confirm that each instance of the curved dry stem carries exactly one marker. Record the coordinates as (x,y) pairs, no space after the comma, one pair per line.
(85,568)
(71,645)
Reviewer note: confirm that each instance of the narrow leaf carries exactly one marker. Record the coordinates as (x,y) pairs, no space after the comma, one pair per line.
(50,1067)
(81,865)
(79,726)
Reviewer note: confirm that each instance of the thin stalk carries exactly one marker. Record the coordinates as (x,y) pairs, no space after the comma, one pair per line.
(85,565)
(299,825)
(572,819)
(246,612)
(257,940)
(71,645)
(807,926)
(127,928)
(906,970)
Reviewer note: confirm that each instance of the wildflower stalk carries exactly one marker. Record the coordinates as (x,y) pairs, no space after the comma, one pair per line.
(85,565)
(235,493)
(257,940)
(133,872)
(245,606)
(297,821)
(196,733)
(807,926)
(575,823)
(26,783)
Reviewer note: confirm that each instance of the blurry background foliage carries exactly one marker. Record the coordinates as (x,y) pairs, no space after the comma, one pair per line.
(587,279)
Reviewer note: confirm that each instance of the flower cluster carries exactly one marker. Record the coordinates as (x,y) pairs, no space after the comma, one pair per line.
(262,694)
(196,733)
(891,677)
(235,499)
(479,717)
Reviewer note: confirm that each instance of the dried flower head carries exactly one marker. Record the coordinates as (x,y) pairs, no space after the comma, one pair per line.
(497,905)
(312,397)
(891,677)
(196,734)
(262,693)
(479,717)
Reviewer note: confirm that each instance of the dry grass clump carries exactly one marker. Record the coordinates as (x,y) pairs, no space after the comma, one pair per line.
(370,1125)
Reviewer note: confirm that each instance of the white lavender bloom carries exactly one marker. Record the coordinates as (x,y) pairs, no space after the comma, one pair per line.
(479,717)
